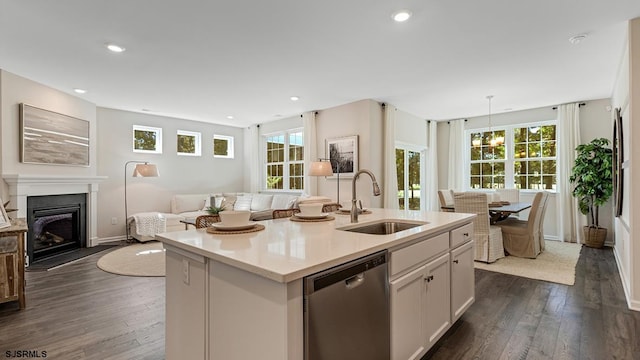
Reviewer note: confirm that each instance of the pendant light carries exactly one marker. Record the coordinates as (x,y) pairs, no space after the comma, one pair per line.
(493,140)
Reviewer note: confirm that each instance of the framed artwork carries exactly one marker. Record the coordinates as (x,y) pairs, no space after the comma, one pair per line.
(343,154)
(618,159)
(47,137)
(4,219)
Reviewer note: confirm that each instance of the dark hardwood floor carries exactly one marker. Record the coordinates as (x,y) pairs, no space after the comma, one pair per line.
(80,312)
(519,318)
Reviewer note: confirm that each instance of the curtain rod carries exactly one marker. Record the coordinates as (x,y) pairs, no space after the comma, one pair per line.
(465,120)
(579,105)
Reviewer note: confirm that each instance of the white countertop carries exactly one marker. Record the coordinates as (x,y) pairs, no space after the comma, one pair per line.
(288,250)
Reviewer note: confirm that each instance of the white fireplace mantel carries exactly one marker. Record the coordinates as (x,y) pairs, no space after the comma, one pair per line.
(23,186)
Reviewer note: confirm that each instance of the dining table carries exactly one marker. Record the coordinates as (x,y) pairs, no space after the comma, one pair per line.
(500,211)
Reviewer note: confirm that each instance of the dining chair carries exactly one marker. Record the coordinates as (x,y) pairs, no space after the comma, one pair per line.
(204,221)
(284,213)
(545,199)
(446,199)
(488,238)
(510,195)
(331,207)
(523,238)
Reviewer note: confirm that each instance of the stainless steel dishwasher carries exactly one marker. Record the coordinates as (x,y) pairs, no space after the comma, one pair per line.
(346,311)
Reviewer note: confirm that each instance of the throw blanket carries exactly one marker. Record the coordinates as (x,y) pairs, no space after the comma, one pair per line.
(150,224)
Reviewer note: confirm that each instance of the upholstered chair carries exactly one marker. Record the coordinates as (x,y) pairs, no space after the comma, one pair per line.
(204,221)
(446,199)
(331,207)
(524,238)
(488,238)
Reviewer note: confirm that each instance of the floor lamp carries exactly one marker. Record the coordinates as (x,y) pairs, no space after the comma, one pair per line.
(142,169)
(323,167)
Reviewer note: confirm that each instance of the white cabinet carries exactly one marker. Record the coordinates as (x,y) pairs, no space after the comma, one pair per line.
(408,313)
(462,280)
(431,286)
(438,303)
(420,309)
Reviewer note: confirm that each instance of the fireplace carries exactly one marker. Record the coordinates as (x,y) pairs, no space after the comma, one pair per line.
(57,225)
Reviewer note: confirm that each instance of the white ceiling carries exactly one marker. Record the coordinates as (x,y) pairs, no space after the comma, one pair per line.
(204,60)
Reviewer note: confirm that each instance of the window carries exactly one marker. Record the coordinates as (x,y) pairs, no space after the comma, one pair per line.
(223,146)
(284,168)
(534,155)
(526,160)
(147,139)
(409,171)
(188,143)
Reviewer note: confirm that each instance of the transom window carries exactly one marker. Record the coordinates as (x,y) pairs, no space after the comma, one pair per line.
(525,160)
(284,169)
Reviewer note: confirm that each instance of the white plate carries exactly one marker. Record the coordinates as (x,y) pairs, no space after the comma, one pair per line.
(221,226)
(303,216)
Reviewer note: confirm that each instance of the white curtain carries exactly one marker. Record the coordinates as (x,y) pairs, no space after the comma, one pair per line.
(456,155)
(252,159)
(310,151)
(571,220)
(390,185)
(431,172)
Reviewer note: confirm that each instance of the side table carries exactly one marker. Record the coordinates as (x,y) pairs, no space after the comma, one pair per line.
(12,262)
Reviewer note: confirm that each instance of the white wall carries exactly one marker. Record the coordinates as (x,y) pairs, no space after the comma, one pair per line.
(15,90)
(626,96)
(178,174)
(595,121)
(410,129)
(362,118)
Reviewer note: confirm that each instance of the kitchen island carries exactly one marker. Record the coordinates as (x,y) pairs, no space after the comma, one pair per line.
(241,296)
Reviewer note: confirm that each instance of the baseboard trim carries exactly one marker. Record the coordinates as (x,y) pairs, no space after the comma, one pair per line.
(101,241)
(631,303)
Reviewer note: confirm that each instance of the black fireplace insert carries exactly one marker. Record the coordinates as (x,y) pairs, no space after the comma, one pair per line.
(57,225)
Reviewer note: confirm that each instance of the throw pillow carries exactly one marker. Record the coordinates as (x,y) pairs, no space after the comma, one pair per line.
(243,203)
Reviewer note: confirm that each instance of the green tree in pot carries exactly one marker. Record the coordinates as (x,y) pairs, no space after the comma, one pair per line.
(592,178)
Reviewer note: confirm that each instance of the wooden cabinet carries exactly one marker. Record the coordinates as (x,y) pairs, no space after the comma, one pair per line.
(462,280)
(12,262)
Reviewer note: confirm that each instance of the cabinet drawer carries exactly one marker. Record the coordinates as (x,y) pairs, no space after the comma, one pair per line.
(414,254)
(461,235)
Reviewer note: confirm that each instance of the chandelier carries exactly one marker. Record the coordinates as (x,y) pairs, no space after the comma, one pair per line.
(493,139)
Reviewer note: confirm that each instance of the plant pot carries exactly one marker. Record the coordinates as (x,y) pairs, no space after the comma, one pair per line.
(594,237)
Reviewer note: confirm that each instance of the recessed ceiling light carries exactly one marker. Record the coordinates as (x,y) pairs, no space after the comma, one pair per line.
(401,16)
(230,117)
(294,98)
(115,48)
(80,91)
(577,39)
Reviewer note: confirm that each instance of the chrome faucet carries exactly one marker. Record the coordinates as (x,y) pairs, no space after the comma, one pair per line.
(376,192)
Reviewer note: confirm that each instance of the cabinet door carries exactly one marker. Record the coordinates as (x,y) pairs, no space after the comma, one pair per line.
(462,280)
(438,297)
(9,279)
(408,315)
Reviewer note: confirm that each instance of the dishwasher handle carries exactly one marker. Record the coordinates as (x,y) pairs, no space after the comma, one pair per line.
(354,282)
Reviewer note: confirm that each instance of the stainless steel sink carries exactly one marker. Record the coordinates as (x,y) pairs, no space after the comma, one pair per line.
(384,227)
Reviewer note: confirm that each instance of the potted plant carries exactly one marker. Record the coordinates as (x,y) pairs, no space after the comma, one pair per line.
(592,178)
(214,210)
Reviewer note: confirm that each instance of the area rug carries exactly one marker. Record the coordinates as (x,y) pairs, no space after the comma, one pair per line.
(556,264)
(135,260)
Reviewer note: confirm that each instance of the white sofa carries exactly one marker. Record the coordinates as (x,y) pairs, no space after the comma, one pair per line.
(189,206)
